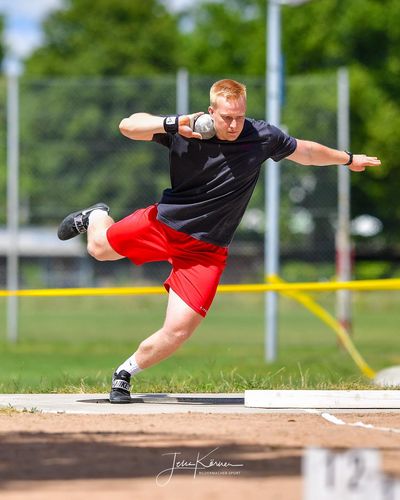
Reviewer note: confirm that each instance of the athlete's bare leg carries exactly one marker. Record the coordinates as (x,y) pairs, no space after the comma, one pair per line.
(180,322)
(97,242)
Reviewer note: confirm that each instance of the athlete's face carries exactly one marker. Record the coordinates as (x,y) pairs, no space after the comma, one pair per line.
(228,117)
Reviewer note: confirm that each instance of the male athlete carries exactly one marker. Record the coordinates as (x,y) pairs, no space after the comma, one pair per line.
(194,222)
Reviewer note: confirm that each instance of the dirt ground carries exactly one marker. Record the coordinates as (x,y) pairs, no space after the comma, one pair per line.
(254,456)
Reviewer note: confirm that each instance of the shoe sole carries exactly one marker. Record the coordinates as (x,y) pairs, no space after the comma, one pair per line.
(121,402)
(117,397)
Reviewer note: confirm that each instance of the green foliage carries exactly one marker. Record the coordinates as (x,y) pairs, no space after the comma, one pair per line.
(373,270)
(328,33)
(364,35)
(71,142)
(2,44)
(69,135)
(229,38)
(300,271)
(3,169)
(107,38)
(377,118)
(213,39)
(3,151)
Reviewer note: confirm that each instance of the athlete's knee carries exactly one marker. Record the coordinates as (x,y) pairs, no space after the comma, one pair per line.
(177,335)
(98,247)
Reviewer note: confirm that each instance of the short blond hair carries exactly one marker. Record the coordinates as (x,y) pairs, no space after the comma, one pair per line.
(230,89)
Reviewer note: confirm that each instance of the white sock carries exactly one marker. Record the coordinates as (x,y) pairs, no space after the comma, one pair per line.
(96,214)
(130,366)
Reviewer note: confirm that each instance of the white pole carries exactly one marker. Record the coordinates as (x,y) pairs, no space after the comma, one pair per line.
(272,177)
(12,203)
(182,92)
(343,243)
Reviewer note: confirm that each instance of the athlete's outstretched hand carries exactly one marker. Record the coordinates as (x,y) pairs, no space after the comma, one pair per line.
(360,162)
(186,125)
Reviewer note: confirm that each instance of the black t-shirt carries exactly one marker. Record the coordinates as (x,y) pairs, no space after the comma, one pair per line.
(212,180)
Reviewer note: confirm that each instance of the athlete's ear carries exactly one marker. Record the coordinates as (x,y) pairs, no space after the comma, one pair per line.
(210,110)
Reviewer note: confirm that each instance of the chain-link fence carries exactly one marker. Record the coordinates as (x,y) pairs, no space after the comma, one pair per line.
(309,194)
(72,155)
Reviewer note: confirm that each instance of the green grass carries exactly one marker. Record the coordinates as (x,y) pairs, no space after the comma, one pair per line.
(73,345)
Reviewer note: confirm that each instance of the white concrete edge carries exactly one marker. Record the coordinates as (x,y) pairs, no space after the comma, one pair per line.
(329,399)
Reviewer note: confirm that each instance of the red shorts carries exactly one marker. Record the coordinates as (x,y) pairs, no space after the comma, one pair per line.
(196,265)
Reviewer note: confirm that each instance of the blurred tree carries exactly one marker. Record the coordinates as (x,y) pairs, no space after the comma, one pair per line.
(229,38)
(226,38)
(330,33)
(2,44)
(69,136)
(132,37)
(363,35)
(72,152)
(3,170)
(127,37)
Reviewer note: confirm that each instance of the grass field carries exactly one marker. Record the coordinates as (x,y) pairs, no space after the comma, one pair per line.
(73,345)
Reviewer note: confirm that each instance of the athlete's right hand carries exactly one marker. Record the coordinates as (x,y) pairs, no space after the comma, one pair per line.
(186,123)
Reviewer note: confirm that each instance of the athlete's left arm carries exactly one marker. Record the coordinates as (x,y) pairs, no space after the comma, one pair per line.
(313,153)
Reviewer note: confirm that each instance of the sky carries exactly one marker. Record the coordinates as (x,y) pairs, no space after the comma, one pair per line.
(23,19)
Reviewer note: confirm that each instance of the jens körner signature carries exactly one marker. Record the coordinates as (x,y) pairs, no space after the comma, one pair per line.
(199,464)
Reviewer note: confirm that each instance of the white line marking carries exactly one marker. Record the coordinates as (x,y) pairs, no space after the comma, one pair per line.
(338,421)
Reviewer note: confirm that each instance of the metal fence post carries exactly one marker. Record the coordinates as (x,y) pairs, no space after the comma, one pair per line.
(272,177)
(182,92)
(343,243)
(12,203)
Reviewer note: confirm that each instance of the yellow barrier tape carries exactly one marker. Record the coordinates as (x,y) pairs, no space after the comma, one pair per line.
(80,292)
(361,285)
(329,286)
(329,320)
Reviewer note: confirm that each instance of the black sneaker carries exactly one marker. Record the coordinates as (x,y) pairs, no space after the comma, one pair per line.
(77,222)
(120,388)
